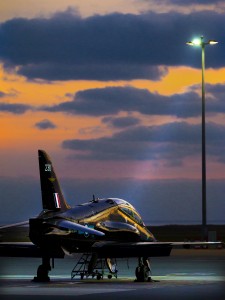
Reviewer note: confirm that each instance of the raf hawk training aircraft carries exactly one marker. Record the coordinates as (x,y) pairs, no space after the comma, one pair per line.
(104,229)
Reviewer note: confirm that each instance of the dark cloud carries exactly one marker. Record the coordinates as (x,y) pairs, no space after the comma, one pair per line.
(110,47)
(121,122)
(112,100)
(85,71)
(217,91)
(14,108)
(150,197)
(170,142)
(45,124)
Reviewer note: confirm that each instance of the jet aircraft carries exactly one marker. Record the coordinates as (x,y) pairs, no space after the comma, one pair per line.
(106,228)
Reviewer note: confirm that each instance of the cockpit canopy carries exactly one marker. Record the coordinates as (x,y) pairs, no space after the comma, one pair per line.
(98,205)
(129,210)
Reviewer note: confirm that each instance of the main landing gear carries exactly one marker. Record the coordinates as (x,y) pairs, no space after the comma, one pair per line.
(143,270)
(42,271)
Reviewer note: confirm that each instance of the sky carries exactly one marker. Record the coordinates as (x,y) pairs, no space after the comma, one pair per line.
(113,93)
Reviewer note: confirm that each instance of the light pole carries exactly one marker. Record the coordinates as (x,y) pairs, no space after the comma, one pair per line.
(200,42)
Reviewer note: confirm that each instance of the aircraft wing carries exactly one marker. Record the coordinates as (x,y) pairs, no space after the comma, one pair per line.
(178,244)
(14,225)
(103,249)
(141,249)
(131,249)
(21,249)
(25,249)
(18,249)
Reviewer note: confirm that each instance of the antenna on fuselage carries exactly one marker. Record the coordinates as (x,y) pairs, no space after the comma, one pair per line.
(95,200)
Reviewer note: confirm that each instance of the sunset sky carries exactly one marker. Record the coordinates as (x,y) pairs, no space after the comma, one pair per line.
(113,93)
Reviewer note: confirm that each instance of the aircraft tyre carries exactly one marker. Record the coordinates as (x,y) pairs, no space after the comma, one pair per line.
(142,273)
(42,274)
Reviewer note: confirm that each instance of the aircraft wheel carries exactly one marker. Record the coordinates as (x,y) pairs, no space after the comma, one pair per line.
(42,274)
(142,273)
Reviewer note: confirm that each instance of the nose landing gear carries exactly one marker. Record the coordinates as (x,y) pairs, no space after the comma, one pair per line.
(143,270)
(42,271)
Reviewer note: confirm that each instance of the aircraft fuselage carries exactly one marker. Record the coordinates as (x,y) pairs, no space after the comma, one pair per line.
(116,218)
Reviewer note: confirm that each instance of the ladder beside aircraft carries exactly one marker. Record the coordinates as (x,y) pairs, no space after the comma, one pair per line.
(81,268)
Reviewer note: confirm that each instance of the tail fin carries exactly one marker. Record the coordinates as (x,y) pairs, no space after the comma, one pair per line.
(52,197)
